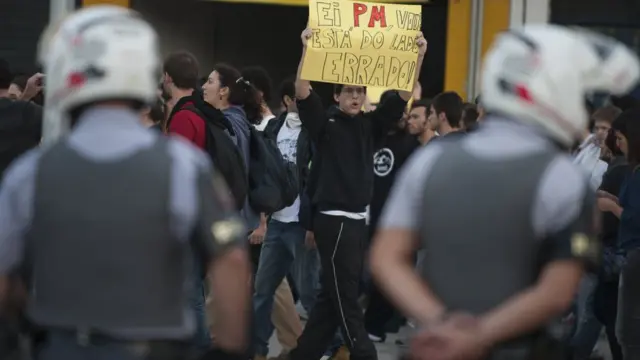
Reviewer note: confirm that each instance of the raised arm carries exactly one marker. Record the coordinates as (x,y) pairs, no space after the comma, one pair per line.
(421,42)
(303,87)
(310,107)
(391,110)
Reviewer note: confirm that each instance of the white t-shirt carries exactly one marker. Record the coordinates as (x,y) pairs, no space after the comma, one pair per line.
(288,145)
(588,159)
(264,122)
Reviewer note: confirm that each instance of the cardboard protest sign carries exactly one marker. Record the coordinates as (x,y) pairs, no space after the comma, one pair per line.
(361,43)
(374,93)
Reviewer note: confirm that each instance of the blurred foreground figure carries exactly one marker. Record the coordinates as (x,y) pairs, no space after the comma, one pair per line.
(105,220)
(503,257)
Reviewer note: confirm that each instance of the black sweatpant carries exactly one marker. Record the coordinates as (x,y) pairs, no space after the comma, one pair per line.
(341,244)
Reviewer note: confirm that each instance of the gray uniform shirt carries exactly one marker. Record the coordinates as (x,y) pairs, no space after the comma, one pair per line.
(109,134)
(559,198)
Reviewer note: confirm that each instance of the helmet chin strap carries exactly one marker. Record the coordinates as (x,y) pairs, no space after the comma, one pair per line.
(55,124)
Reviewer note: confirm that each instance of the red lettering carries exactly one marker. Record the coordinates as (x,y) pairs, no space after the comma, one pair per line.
(358,9)
(377,14)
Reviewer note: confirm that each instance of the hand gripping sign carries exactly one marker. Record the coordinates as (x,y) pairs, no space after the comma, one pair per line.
(361,43)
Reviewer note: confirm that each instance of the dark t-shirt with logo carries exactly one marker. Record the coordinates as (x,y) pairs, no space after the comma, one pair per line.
(390,153)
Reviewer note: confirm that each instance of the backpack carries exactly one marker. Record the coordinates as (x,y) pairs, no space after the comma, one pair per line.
(273,181)
(225,156)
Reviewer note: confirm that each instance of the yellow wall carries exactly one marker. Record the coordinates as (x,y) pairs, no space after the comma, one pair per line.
(495,19)
(457,48)
(125,3)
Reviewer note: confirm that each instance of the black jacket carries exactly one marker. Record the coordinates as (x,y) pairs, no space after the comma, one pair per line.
(307,209)
(345,150)
(20,129)
(391,154)
(304,154)
(612,182)
(304,149)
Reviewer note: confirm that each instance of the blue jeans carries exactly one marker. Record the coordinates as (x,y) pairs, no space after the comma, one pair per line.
(306,275)
(202,338)
(278,252)
(588,326)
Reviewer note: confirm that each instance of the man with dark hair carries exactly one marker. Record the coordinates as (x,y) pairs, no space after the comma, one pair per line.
(179,81)
(588,158)
(112,285)
(344,136)
(21,119)
(445,113)
(285,233)
(418,123)
(391,152)
(259,78)
(524,255)
(470,115)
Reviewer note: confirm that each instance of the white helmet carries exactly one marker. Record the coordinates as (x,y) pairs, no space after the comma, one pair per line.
(541,74)
(100,53)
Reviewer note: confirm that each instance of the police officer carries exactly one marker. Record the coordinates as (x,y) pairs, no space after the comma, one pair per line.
(106,218)
(505,217)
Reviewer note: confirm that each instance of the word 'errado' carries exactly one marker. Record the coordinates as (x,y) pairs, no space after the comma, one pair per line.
(361,43)
(346,68)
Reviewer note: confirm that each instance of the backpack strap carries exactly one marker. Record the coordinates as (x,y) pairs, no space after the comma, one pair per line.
(178,107)
(193,109)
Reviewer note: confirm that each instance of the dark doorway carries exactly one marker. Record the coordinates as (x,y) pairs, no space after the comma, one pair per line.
(268,35)
(21,24)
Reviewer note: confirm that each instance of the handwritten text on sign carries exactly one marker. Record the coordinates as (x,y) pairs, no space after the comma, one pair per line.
(360,43)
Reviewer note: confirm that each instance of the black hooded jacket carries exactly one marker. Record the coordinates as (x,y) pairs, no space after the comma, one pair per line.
(345,150)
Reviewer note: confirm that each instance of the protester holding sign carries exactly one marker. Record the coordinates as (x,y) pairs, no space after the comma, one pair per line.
(363,44)
(344,137)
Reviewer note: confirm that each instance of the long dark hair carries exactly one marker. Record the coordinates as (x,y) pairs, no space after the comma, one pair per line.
(628,123)
(611,143)
(241,92)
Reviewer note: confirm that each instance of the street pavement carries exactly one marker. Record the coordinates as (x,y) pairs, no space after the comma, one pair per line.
(386,351)
(390,351)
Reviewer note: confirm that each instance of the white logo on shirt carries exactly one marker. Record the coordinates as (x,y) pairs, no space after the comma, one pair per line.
(383,162)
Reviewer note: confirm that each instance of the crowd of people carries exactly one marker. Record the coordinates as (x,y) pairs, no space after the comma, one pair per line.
(183,217)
